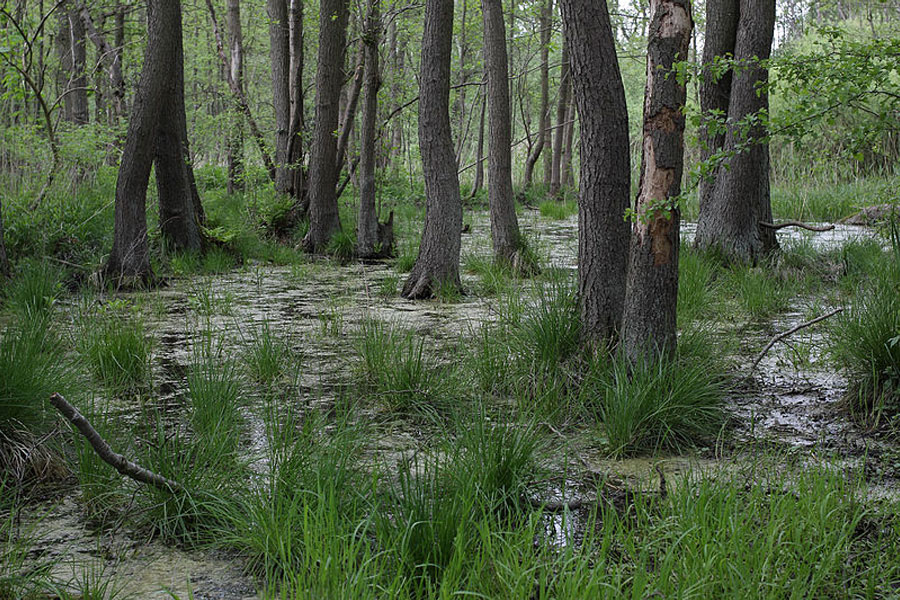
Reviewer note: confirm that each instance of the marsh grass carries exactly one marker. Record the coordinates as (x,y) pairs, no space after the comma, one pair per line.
(21,574)
(215,391)
(115,345)
(696,278)
(268,356)
(493,278)
(100,485)
(400,374)
(342,244)
(387,286)
(558,210)
(758,292)
(407,252)
(207,301)
(33,291)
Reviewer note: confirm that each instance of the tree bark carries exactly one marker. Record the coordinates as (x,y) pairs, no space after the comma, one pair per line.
(109,55)
(324,219)
(295,84)
(544,125)
(603,234)
(235,140)
(566,174)
(279,53)
(438,260)
(562,108)
(180,212)
(72,59)
(504,224)
(649,326)
(460,108)
(479,152)
(5,270)
(129,261)
(349,116)
(740,199)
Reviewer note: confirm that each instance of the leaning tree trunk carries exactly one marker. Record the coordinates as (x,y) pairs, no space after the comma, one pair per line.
(438,260)
(367,243)
(603,233)
(562,108)
(324,219)
(740,200)
(235,140)
(504,225)
(649,327)
(5,270)
(715,91)
(544,126)
(179,203)
(279,40)
(129,260)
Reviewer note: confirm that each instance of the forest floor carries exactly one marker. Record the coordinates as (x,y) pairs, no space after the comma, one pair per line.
(298,340)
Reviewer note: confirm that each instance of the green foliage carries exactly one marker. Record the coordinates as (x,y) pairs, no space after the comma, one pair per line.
(696,272)
(342,245)
(34,289)
(758,292)
(268,355)
(558,210)
(214,388)
(116,347)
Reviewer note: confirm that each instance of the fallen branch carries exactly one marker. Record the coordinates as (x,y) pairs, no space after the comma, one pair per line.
(801,225)
(103,450)
(790,331)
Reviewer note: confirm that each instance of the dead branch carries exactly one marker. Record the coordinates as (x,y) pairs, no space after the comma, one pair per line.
(790,331)
(105,452)
(777,226)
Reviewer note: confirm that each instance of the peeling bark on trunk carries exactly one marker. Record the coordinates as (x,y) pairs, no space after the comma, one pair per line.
(649,326)
(740,200)
(603,234)
(504,224)
(438,260)
(279,40)
(324,219)
(544,125)
(129,260)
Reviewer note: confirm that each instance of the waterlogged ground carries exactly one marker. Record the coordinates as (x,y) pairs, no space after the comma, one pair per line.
(791,402)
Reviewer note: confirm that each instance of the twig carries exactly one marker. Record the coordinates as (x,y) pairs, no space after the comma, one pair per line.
(103,450)
(799,224)
(790,331)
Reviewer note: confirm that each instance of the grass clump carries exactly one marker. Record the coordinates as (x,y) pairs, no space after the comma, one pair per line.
(342,245)
(400,373)
(696,274)
(34,289)
(268,356)
(116,347)
(493,277)
(656,405)
(760,294)
(558,210)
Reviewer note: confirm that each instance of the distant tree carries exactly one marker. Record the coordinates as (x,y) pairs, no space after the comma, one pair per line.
(739,200)
(235,141)
(438,260)
(603,196)
(649,324)
(280,56)
(295,93)
(544,119)
(4,259)
(70,42)
(504,224)
(324,219)
(562,108)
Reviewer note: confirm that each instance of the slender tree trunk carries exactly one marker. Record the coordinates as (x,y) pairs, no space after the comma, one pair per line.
(324,219)
(111,57)
(566,176)
(235,141)
(73,56)
(649,328)
(349,115)
(740,199)
(461,94)
(368,243)
(438,260)
(504,225)
(279,40)
(295,140)
(544,125)
(479,151)
(562,108)
(5,270)
(129,260)
(603,197)
(398,49)
(180,213)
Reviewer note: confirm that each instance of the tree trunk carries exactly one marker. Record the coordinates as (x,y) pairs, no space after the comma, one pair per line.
(438,260)
(295,83)
(72,58)
(180,213)
(460,108)
(112,57)
(279,39)
(715,92)
(649,325)
(479,152)
(603,233)
(398,50)
(5,270)
(236,67)
(544,126)
(740,199)
(349,116)
(562,108)
(504,225)
(324,219)
(566,175)
(129,260)
(368,245)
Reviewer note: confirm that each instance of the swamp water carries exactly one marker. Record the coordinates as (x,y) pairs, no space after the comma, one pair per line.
(316,307)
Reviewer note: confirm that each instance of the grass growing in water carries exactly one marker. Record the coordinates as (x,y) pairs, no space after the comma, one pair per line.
(34,289)
(116,347)
(558,209)
(696,272)
(268,356)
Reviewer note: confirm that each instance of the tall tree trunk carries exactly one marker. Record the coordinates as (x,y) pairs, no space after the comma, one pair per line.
(479,151)
(129,260)
(649,326)
(721,33)
(460,108)
(398,49)
(438,260)
(349,116)
(72,55)
(740,200)
(368,244)
(504,225)
(544,125)
(603,197)
(566,175)
(562,109)
(5,270)
(236,67)
(180,213)
(279,40)
(295,83)
(324,219)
